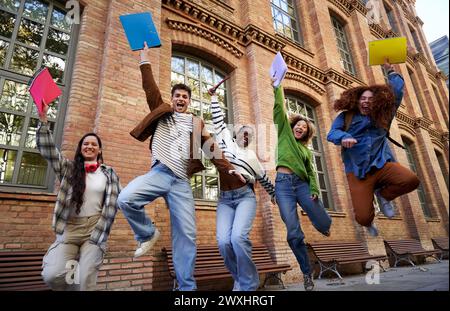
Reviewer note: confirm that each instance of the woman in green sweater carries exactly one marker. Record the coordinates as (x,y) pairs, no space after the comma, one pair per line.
(296,182)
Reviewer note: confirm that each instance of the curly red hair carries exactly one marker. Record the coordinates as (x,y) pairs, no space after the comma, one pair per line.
(382,106)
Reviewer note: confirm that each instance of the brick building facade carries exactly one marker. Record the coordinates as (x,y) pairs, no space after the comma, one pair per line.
(324,44)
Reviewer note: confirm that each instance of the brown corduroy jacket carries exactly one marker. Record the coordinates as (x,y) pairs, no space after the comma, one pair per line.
(200,137)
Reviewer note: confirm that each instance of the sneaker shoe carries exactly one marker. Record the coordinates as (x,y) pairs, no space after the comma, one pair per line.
(144,247)
(308,283)
(372,230)
(386,206)
(326,233)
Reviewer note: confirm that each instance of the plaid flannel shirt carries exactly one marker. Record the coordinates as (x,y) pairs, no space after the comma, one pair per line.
(62,168)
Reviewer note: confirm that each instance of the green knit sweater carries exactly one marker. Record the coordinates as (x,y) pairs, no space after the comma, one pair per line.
(290,152)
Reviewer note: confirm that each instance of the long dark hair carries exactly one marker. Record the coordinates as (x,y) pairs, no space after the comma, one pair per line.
(382,106)
(78,177)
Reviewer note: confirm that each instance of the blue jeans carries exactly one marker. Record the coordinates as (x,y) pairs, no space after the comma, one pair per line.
(290,190)
(162,182)
(236,211)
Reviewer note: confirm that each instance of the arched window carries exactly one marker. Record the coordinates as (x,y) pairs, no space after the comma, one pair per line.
(33,33)
(297,106)
(343,46)
(200,76)
(285,19)
(413,166)
(442,166)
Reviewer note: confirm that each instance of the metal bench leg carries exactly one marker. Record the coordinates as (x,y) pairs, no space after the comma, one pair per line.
(381,266)
(434,256)
(332,267)
(274,275)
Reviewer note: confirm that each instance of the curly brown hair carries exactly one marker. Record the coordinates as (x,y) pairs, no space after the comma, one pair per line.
(295,118)
(382,106)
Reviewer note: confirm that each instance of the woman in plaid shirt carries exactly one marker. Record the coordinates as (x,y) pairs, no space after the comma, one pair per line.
(84,211)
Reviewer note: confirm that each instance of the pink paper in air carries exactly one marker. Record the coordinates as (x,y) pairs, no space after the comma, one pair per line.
(44,88)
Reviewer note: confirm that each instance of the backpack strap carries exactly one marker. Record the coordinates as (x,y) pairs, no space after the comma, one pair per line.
(394,141)
(348,116)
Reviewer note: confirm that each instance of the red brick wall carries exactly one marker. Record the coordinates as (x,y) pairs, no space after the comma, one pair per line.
(106,96)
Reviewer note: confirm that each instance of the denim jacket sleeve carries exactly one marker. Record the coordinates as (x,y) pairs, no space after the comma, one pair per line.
(337,133)
(398,84)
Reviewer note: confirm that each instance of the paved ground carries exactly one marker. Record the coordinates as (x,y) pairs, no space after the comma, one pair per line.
(426,277)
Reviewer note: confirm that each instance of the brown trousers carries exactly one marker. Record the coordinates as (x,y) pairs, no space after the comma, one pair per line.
(394,180)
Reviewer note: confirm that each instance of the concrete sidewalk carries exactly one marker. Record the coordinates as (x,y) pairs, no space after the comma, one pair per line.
(425,277)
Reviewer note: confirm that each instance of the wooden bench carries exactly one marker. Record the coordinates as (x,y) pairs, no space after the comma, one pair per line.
(331,254)
(405,250)
(209,264)
(21,270)
(441,243)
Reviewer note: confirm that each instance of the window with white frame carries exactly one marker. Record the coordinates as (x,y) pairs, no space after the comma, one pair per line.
(420,190)
(343,46)
(285,19)
(201,76)
(297,106)
(33,34)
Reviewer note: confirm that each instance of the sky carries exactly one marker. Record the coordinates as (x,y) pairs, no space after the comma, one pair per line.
(434,14)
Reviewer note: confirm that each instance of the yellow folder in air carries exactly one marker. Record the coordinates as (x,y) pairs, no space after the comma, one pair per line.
(393,48)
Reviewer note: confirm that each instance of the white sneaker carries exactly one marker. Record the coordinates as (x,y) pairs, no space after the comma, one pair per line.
(386,206)
(372,229)
(144,247)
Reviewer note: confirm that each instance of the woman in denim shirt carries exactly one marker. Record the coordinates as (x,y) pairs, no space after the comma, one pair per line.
(362,131)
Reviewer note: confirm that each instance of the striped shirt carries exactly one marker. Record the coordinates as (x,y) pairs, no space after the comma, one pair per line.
(244,160)
(171,143)
(63,206)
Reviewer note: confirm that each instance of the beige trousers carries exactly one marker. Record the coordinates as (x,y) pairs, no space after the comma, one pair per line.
(72,262)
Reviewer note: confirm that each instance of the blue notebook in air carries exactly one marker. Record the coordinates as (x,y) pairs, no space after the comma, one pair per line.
(139,28)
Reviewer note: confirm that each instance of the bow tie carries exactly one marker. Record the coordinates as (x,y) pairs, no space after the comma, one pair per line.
(91,167)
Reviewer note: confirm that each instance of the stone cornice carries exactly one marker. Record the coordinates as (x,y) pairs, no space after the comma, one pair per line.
(432,77)
(305,80)
(206,34)
(253,34)
(440,75)
(423,123)
(421,58)
(410,124)
(333,76)
(343,5)
(410,60)
(196,13)
(304,67)
(406,119)
(378,31)
(359,6)
(436,137)
(289,41)
(407,13)
(392,34)
(419,21)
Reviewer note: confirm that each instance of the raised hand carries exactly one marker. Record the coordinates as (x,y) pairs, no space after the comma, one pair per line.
(43,114)
(387,66)
(144,53)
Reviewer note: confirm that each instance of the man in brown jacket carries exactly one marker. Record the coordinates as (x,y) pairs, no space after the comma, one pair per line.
(176,138)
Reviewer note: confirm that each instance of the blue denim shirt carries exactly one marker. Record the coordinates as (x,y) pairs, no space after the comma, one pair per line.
(372,148)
